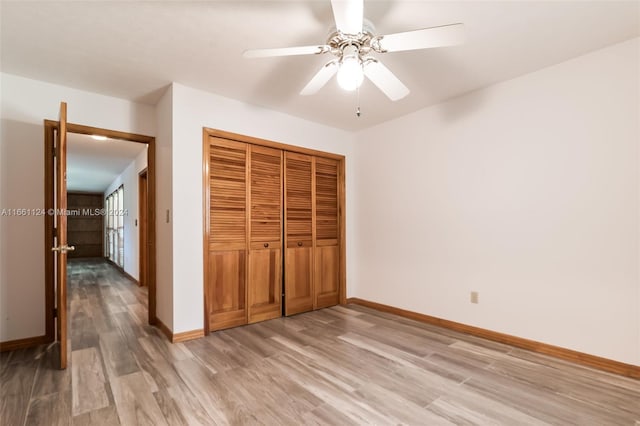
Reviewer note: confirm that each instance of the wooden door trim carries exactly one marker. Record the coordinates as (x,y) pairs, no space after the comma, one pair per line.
(342,230)
(285,232)
(314,234)
(206,203)
(247,217)
(50,126)
(112,134)
(143,233)
(270,144)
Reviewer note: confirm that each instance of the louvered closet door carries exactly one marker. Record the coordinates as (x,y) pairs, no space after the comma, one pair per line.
(327,249)
(298,233)
(265,247)
(227,256)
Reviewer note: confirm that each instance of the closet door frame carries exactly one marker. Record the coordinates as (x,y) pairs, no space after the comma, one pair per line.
(215,133)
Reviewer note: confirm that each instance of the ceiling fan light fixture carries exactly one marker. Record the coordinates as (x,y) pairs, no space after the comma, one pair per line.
(350,74)
(99,137)
(351,42)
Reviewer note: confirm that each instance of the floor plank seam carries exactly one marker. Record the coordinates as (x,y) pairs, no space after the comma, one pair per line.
(33,384)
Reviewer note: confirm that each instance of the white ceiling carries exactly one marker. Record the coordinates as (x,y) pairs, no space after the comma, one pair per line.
(92,165)
(133,50)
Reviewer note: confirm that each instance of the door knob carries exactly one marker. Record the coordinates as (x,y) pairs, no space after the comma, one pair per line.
(63,249)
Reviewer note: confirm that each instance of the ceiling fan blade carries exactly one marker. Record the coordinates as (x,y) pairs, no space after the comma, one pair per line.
(285,51)
(385,80)
(320,79)
(348,15)
(446,35)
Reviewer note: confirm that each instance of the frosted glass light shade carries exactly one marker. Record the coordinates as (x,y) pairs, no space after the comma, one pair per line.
(350,74)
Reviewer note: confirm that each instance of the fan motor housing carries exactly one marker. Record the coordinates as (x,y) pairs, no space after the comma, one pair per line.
(364,41)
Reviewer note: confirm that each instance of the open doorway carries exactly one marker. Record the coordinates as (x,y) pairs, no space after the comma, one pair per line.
(141,149)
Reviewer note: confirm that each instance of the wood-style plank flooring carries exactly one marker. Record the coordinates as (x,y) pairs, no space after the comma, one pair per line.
(338,366)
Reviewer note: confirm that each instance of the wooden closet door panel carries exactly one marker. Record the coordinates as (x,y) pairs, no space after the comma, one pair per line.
(227,229)
(298,280)
(227,289)
(228,192)
(298,184)
(298,198)
(265,284)
(327,200)
(265,249)
(266,194)
(327,248)
(326,276)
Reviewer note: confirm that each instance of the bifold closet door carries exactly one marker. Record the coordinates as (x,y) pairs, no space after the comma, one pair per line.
(298,185)
(227,245)
(327,248)
(265,245)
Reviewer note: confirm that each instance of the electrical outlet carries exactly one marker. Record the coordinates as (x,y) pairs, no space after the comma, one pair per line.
(474,297)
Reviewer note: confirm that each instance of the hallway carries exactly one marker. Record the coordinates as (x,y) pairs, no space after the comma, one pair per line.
(107,314)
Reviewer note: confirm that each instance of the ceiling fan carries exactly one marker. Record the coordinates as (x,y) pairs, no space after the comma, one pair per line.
(352,43)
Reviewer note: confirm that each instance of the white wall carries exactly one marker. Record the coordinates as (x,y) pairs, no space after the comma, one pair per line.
(193,110)
(527,192)
(164,197)
(130,179)
(24,105)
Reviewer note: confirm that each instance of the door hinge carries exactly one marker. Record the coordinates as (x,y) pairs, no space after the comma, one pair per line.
(55,232)
(55,312)
(54,151)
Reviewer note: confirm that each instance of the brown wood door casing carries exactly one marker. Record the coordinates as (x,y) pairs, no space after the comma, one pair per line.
(51,128)
(143,228)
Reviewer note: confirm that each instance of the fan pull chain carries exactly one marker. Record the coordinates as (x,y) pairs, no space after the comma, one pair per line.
(358,102)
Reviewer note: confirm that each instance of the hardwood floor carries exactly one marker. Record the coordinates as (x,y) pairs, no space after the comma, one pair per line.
(338,366)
